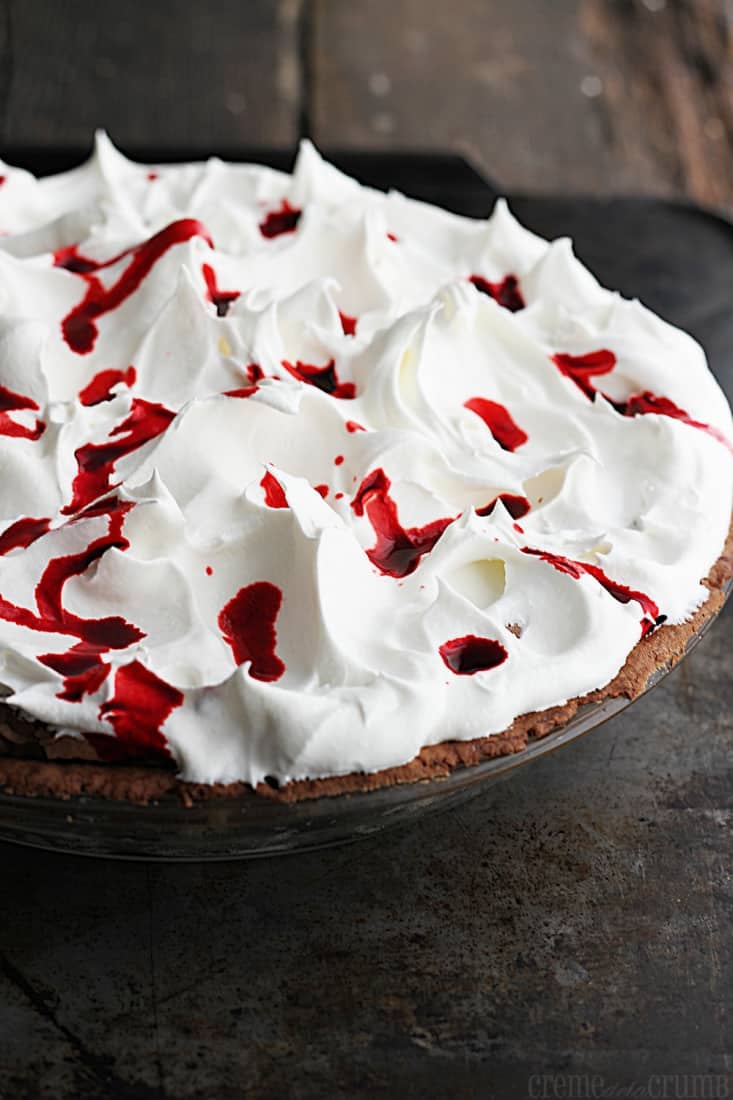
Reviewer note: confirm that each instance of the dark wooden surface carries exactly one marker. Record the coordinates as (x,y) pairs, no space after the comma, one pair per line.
(574,921)
(603,96)
(593,95)
(163,72)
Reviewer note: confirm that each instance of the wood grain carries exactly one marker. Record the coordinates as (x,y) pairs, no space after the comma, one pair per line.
(591,95)
(164,73)
(667,76)
(601,96)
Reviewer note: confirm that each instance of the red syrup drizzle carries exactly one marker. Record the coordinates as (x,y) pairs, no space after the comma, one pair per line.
(348,324)
(515,505)
(243,391)
(83,670)
(22,533)
(398,550)
(323,378)
(71,259)
(506,292)
(255,374)
(582,368)
(322,490)
(274,492)
(112,632)
(470,654)
(247,623)
(499,421)
(283,220)
(392,237)
(101,386)
(15,402)
(82,666)
(137,710)
(142,701)
(221,299)
(2,180)
(647,402)
(79,328)
(354,426)
(620,592)
(96,461)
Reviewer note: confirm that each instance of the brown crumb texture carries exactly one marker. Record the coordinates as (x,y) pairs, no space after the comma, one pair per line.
(33,762)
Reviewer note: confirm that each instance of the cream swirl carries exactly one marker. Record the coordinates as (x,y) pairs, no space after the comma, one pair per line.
(299,477)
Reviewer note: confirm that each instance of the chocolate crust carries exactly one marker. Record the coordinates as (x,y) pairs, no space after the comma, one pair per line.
(34,763)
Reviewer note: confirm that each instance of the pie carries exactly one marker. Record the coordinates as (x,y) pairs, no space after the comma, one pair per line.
(306,488)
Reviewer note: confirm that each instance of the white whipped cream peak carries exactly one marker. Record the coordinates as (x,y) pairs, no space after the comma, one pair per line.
(299,477)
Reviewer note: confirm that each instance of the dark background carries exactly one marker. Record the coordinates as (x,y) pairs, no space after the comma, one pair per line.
(593,95)
(574,921)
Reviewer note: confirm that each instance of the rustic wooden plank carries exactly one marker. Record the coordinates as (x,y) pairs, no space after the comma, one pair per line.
(166,74)
(591,95)
(667,77)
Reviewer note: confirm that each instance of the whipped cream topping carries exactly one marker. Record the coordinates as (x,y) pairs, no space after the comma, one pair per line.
(297,477)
